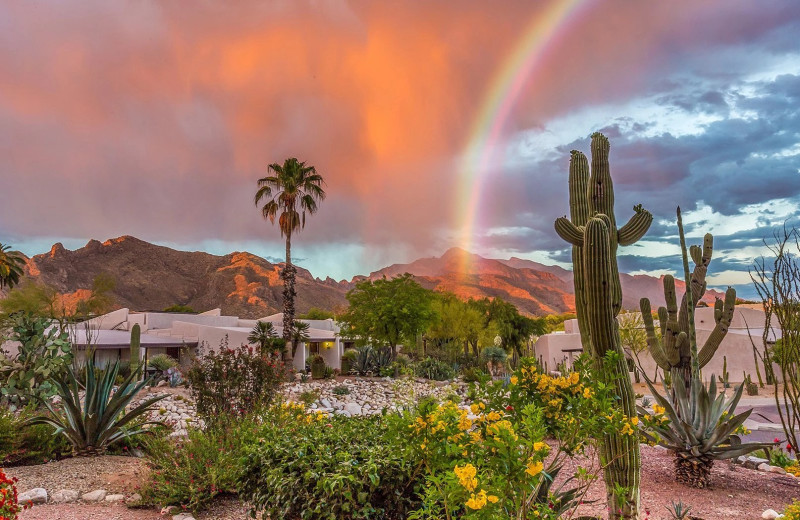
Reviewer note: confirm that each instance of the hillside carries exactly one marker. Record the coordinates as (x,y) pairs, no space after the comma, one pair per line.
(152,277)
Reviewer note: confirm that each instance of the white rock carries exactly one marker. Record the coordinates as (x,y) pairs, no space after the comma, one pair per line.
(769,514)
(98,495)
(183,516)
(33,496)
(64,496)
(764,466)
(115,498)
(325,403)
(134,498)
(777,469)
(352,408)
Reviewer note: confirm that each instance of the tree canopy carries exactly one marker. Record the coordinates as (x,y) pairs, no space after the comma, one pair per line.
(387,312)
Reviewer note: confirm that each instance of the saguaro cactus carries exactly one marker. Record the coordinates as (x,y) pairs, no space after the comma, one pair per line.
(136,342)
(673,351)
(594,236)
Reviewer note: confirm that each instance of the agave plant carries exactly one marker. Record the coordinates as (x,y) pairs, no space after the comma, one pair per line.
(98,420)
(699,427)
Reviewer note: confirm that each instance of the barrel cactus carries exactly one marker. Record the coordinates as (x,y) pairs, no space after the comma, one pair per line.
(317,367)
(592,231)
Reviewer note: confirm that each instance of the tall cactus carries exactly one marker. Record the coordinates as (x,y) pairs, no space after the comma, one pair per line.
(136,343)
(673,351)
(593,233)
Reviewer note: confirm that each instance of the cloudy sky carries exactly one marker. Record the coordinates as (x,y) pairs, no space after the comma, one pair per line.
(155,118)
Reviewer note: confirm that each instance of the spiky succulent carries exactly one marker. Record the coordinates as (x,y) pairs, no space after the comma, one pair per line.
(99,419)
(701,427)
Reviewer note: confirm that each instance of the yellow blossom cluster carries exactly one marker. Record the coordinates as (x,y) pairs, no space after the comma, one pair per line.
(478,500)
(467,476)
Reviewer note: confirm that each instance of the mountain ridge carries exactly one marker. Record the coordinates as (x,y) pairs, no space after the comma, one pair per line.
(153,277)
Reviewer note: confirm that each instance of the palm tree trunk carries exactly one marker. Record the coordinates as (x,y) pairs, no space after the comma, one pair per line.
(288,298)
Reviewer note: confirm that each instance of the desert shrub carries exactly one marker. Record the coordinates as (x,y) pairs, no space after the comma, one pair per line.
(192,471)
(319,467)
(436,370)
(9,506)
(233,382)
(309,397)
(317,367)
(24,445)
(348,360)
(492,461)
(341,390)
(44,353)
(494,355)
(473,375)
(162,362)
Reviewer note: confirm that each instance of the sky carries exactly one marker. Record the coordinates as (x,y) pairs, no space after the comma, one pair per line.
(434,124)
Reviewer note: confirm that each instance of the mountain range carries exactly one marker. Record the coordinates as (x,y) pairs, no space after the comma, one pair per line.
(153,277)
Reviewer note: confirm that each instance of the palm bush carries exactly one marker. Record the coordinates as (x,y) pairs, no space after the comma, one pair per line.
(162,362)
(699,427)
(99,420)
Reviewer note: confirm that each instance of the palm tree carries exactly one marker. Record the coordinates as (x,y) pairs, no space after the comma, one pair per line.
(11,263)
(263,334)
(299,334)
(292,190)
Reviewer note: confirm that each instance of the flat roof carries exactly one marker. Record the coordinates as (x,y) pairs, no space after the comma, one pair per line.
(116,339)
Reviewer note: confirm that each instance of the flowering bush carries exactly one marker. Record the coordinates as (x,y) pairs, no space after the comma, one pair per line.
(9,506)
(233,381)
(492,461)
(190,472)
(792,511)
(318,467)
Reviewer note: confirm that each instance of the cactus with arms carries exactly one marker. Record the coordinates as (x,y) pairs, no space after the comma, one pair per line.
(593,233)
(673,351)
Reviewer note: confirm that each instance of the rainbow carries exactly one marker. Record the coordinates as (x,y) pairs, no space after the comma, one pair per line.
(502,94)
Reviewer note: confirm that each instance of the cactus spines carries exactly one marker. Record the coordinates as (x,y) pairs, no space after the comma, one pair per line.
(674,352)
(136,342)
(592,231)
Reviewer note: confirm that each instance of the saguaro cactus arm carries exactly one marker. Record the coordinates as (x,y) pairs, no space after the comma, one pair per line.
(723,315)
(569,231)
(654,345)
(636,227)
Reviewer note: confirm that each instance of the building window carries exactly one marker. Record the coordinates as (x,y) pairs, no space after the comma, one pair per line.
(313,348)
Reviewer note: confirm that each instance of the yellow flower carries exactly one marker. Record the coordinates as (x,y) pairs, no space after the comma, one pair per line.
(534,468)
(464,423)
(634,421)
(477,501)
(466,476)
(538,446)
(647,417)
(493,499)
(514,380)
(626,429)
(587,393)
(493,416)
(658,409)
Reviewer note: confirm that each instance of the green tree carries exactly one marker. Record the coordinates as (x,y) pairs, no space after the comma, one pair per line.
(633,338)
(11,263)
(263,335)
(315,313)
(32,298)
(179,308)
(292,190)
(514,329)
(386,312)
(101,299)
(456,322)
(299,335)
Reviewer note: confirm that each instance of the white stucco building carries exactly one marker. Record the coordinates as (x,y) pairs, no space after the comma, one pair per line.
(736,348)
(184,335)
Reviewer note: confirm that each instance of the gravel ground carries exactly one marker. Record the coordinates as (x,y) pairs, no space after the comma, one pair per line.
(113,473)
(736,492)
